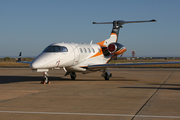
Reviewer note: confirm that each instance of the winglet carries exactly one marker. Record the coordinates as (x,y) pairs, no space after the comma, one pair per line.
(19,59)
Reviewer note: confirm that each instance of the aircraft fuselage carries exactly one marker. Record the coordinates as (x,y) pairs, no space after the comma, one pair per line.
(70,56)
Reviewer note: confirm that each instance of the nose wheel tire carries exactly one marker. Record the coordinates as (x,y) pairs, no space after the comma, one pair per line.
(45,79)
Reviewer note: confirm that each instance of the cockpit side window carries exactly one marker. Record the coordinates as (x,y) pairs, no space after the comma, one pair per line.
(63,49)
(56,49)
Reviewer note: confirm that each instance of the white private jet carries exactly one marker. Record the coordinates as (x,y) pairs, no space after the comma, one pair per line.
(84,58)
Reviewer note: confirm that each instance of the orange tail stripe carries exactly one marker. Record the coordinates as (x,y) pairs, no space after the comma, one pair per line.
(101,43)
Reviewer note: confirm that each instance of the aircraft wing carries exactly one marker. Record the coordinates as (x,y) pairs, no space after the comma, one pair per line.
(19,60)
(101,66)
(27,62)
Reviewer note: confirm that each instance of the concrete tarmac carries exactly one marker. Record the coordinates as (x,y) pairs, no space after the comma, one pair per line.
(131,94)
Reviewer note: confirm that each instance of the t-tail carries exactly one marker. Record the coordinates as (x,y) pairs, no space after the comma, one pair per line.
(115,30)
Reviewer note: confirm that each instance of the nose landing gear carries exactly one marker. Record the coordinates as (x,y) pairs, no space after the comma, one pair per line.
(45,79)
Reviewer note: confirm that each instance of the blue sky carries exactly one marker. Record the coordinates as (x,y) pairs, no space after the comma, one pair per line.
(31,25)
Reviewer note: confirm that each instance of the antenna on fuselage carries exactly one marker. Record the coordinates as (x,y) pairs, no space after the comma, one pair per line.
(91,42)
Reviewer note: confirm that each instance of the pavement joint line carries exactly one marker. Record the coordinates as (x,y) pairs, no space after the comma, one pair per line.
(152,95)
(88,114)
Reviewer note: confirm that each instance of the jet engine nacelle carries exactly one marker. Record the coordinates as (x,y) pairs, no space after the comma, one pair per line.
(116,48)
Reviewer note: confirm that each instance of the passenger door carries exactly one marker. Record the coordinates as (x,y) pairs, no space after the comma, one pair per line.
(76,54)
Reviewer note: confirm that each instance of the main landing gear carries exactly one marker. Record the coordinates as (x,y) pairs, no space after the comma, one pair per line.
(73,75)
(106,74)
(45,79)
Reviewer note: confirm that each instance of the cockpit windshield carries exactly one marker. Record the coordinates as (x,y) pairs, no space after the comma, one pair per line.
(56,49)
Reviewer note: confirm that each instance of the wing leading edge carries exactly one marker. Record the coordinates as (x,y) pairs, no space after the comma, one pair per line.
(27,62)
(101,66)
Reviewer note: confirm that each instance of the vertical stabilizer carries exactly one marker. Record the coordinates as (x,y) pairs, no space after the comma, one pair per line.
(114,34)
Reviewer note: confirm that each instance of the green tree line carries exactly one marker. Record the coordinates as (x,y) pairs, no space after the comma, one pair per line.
(15,59)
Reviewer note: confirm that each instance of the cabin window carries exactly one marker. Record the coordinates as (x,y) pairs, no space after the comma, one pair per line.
(89,50)
(81,50)
(93,50)
(56,49)
(99,50)
(85,50)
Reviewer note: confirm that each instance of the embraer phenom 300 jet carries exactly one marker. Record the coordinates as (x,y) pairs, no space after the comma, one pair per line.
(84,58)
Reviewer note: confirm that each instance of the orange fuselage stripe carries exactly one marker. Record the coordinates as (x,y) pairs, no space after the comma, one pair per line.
(97,54)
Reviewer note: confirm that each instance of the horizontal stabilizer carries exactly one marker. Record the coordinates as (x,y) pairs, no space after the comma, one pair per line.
(123,22)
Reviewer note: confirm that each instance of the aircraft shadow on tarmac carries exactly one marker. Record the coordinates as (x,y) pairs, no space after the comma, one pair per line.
(13,79)
(167,84)
(162,88)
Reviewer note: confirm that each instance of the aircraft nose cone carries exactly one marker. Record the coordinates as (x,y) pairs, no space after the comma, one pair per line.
(43,61)
(34,65)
